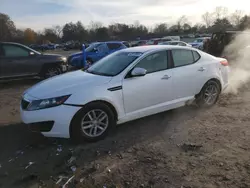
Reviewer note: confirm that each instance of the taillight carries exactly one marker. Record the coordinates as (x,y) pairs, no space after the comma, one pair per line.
(224,63)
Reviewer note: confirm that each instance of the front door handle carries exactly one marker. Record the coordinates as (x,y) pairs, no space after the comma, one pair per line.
(165,77)
(201,69)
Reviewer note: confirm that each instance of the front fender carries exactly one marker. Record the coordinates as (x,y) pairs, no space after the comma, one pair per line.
(99,93)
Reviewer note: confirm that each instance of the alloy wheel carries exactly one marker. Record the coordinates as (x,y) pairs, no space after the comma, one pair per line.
(94,123)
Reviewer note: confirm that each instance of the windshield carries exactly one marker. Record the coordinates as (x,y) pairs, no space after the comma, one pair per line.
(113,64)
(92,46)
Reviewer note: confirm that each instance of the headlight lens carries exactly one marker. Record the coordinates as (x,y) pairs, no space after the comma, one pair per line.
(47,103)
(64,59)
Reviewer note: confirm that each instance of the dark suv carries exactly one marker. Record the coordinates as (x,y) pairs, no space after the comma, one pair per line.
(18,61)
(220,40)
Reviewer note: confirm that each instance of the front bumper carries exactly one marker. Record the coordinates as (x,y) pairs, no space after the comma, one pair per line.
(61,117)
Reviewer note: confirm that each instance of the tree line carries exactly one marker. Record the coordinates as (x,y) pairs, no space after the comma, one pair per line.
(219,19)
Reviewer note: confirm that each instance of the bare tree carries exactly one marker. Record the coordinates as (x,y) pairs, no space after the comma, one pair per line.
(181,21)
(95,25)
(221,12)
(208,18)
(236,17)
(58,30)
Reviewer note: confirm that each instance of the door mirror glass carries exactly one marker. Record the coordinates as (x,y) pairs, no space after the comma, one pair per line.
(138,72)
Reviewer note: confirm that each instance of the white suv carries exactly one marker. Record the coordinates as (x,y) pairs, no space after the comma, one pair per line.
(126,85)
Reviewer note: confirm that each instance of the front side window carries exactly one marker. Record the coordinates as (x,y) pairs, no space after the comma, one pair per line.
(14,51)
(113,64)
(182,57)
(102,48)
(92,47)
(154,62)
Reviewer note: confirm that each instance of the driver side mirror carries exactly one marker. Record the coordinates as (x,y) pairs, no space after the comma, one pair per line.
(138,72)
(95,50)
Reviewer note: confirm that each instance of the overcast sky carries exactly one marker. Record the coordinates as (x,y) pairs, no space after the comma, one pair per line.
(38,14)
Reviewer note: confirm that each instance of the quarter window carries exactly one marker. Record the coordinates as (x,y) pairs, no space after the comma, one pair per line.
(154,62)
(182,57)
(196,56)
(14,51)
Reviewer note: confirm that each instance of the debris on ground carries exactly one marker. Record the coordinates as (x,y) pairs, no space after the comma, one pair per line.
(73,168)
(61,178)
(69,180)
(71,160)
(30,163)
(59,148)
(190,147)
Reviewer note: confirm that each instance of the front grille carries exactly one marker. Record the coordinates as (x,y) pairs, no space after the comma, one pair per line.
(24,104)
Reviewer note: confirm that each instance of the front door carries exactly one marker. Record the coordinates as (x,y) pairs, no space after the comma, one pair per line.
(17,61)
(149,92)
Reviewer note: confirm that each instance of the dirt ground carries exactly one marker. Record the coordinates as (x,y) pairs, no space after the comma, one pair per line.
(186,147)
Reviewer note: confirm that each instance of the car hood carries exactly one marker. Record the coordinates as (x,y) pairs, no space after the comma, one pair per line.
(66,84)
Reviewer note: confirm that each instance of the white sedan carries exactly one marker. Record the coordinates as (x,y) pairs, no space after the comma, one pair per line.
(176,43)
(123,86)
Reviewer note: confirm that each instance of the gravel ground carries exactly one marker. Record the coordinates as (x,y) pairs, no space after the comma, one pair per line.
(186,147)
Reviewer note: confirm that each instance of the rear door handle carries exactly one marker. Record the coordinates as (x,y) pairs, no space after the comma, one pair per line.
(201,69)
(165,77)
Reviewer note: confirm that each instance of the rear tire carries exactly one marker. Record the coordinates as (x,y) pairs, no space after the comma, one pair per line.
(209,94)
(92,123)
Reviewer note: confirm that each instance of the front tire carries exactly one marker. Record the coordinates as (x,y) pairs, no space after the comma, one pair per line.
(50,71)
(209,94)
(92,123)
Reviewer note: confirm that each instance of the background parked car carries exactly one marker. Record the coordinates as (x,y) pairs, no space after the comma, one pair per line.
(198,43)
(139,43)
(95,52)
(176,43)
(17,61)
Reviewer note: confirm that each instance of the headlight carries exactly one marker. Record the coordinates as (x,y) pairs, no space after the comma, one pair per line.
(47,103)
(64,59)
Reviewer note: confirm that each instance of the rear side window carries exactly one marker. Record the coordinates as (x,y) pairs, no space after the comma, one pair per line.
(154,62)
(15,51)
(113,46)
(182,57)
(196,56)
(182,44)
(126,44)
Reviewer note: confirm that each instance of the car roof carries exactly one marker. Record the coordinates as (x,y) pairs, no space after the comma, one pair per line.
(143,49)
(11,43)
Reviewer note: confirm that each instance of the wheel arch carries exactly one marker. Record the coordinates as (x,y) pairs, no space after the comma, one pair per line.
(113,109)
(211,79)
(47,65)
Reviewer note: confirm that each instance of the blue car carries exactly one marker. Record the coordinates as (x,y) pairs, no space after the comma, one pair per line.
(198,43)
(94,52)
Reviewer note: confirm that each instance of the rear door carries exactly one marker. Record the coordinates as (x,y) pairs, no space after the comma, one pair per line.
(17,61)
(189,74)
